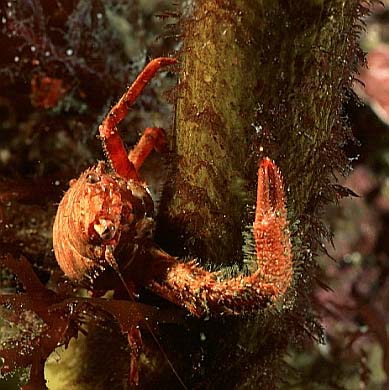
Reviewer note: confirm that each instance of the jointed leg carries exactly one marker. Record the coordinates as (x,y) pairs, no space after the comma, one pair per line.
(109,134)
(152,138)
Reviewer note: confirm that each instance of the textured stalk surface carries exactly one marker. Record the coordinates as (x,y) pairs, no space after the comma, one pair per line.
(258,78)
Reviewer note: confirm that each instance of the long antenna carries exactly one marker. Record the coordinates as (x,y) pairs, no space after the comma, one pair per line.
(113,263)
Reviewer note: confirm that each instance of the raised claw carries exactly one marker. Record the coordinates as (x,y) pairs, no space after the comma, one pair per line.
(271,234)
(203,292)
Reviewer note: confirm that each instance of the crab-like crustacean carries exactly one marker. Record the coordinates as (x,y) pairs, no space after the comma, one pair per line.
(104,230)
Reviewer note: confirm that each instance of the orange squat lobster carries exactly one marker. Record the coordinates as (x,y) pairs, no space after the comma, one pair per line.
(103,232)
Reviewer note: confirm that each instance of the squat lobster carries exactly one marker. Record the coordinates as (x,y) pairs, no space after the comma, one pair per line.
(104,228)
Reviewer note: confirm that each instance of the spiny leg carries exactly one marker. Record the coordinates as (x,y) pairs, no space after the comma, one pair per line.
(202,292)
(109,134)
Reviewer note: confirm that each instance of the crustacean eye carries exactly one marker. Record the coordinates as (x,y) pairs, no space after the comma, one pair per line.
(105,228)
(92,178)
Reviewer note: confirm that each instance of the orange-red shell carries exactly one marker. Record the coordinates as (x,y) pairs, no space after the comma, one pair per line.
(126,209)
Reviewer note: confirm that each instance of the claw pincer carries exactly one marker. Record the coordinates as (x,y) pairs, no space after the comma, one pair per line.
(271,234)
